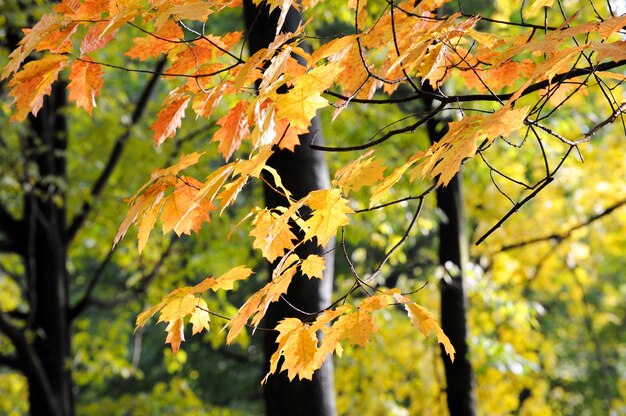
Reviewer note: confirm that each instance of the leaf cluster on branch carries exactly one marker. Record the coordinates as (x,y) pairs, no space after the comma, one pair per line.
(520,82)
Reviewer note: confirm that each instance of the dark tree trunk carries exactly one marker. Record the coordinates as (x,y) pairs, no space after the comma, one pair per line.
(301,171)
(453,249)
(45,254)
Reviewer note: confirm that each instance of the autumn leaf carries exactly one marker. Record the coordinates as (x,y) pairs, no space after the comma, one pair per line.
(200,318)
(299,105)
(33,82)
(46,26)
(297,344)
(169,118)
(181,213)
(330,211)
(156,43)
(147,220)
(175,334)
(313,266)
(234,128)
(179,305)
(445,157)
(224,282)
(374,303)
(427,324)
(538,5)
(256,305)
(301,102)
(354,326)
(149,201)
(97,37)
(85,83)
(382,188)
(273,234)
(362,172)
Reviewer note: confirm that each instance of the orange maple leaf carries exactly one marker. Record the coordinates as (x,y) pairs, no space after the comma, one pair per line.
(161,41)
(46,26)
(234,127)
(181,213)
(85,83)
(33,82)
(169,118)
(175,334)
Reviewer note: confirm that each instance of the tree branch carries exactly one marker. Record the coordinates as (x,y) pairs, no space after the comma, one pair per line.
(82,304)
(567,233)
(30,363)
(448,99)
(88,299)
(115,155)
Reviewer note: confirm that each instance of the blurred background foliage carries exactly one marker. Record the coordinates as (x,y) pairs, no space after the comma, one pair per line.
(547,319)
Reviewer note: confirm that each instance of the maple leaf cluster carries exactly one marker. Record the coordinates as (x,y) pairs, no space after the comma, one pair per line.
(293,84)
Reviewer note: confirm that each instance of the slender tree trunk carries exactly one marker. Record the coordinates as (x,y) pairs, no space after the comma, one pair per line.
(301,171)
(45,255)
(453,250)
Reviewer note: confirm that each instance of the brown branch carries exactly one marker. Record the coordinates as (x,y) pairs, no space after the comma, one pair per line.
(140,289)
(86,299)
(567,233)
(576,72)
(384,137)
(515,208)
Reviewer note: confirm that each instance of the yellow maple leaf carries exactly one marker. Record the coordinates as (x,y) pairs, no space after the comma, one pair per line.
(362,172)
(249,308)
(272,233)
(179,304)
(257,304)
(313,266)
(297,344)
(445,157)
(299,105)
(200,318)
(148,218)
(224,282)
(382,189)
(537,5)
(427,323)
(329,213)
(374,303)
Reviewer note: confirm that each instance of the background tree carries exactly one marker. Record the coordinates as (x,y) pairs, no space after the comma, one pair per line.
(62,176)
(303,170)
